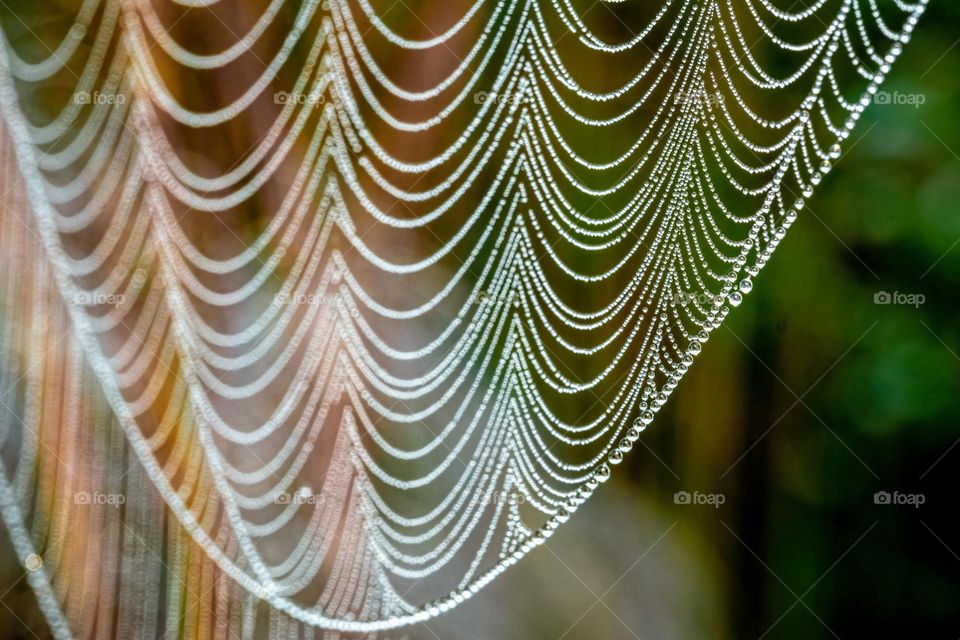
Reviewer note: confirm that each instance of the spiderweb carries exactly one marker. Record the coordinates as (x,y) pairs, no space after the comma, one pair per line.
(319,316)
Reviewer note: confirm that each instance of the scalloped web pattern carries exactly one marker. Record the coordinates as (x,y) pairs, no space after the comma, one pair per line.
(316,317)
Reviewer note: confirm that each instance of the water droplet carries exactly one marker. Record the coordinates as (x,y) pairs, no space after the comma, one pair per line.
(603,473)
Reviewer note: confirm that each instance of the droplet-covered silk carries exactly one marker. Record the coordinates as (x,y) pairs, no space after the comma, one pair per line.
(317,317)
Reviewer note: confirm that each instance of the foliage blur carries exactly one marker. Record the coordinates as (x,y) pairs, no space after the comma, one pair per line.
(806,403)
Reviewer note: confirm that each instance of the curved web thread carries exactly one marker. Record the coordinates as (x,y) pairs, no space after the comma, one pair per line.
(353,309)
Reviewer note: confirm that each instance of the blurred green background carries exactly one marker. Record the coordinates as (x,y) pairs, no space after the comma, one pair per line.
(809,401)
